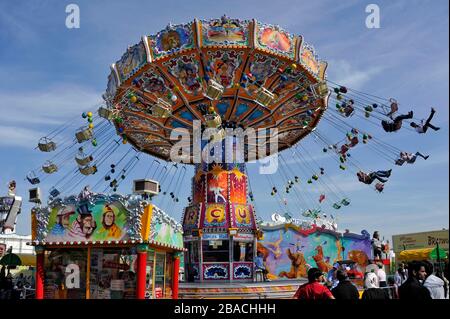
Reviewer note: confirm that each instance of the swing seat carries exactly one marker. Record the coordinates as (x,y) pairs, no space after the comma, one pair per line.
(49,167)
(213,120)
(105,113)
(320,90)
(345,202)
(88,170)
(214,90)
(379,187)
(33,179)
(54,192)
(84,160)
(264,97)
(315,177)
(336,206)
(161,109)
(83,134)
(46,145)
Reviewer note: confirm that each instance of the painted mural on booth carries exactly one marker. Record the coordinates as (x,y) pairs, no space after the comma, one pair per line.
(289,252)
(85,222)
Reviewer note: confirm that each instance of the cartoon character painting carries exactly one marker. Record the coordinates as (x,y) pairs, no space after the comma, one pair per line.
(275,39)
(131,60)
(274,247)
(109,229)
(84,226)
(224,65)
(170,40)
(321,263)
(360,257)
(187,74)
(298,265)
(224,29)
(62,226)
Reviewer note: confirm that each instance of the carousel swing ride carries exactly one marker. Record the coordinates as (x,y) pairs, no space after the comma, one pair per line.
(227,74)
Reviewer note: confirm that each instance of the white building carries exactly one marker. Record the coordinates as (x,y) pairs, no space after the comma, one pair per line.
(17,242)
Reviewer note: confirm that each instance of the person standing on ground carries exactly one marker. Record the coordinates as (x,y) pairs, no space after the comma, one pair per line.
(381,274)
(259,265)
(345,288)
(400,276)
(372,289)
(413,289)
(433,283)
(313,290)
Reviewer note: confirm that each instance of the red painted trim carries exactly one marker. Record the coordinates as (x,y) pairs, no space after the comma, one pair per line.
(141,275)
(40,276)
(176,270)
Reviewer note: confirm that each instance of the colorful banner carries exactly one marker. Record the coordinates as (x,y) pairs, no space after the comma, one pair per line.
(309,60)
(217,182)
(288,253)
(131,61)
(191,216)
(238,187)
(215,216)
(224,31)
(242,216)
(99,222)
(172,39)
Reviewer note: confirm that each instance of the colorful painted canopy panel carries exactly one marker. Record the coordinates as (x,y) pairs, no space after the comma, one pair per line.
(173,69)
(289,251)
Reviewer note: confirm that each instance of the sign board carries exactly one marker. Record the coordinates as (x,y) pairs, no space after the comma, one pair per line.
(215,236)
(420,240)
(245,237)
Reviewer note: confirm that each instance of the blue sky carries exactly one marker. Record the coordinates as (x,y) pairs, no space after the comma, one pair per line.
(50,74)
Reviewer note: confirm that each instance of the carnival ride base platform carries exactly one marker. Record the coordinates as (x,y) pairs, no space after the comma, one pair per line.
(281,289)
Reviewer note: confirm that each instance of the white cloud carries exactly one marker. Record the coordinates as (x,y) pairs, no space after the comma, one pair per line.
(53,105)
(18,136)
(343,72)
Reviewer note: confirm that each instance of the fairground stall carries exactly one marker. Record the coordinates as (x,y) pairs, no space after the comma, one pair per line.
(290,248)
(97,246)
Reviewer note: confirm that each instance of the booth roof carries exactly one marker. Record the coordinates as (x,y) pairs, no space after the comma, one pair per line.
(422,254)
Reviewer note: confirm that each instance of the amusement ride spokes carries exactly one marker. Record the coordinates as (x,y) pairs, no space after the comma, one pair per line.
(228,74)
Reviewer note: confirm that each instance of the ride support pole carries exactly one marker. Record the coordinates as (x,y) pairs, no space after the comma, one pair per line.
(175,275)
(141,271)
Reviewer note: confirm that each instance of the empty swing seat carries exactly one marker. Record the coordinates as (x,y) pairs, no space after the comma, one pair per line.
(83,135)
(214,90)
(320,90)
(83,161)
(88,170)
(54,192)
(161,109)
(264,97)
(105,113)
(46,145)
(33,179)
(49,167)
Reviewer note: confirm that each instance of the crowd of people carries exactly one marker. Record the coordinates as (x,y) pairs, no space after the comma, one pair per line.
(14,288)
(417,280)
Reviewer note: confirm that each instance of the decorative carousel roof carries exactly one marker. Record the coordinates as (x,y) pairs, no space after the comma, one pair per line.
(251,74)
